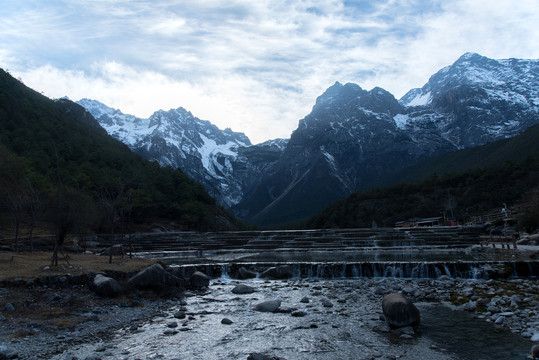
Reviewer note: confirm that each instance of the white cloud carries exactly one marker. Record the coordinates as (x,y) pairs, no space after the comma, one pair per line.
(257,66)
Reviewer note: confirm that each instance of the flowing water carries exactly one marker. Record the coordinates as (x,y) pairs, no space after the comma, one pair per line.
(344,271)
(351,328)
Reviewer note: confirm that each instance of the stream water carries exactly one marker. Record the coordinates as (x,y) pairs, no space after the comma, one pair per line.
(352,327)
(330,307)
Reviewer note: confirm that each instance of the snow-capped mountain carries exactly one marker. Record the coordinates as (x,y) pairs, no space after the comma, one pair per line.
(178,139)
(351,137)
(354,136)
(476,100)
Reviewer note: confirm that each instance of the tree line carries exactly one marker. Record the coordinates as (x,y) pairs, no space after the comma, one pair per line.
(60,170)
(459,195)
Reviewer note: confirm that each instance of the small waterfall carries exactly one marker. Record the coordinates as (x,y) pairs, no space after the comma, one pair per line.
(224,273)
(409,270)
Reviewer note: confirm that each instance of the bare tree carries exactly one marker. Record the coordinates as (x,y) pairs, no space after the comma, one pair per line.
(128,205)
(110,202)
(34,204)
(16,204)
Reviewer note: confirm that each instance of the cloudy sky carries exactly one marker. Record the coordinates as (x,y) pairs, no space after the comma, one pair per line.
(254,66)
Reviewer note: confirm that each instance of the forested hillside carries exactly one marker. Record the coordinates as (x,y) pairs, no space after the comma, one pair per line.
(58,165)
(458,194)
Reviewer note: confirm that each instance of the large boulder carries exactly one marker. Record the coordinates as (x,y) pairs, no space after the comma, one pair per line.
(278,272)
(399,311)
(156,278)
(105,286)
(199,280)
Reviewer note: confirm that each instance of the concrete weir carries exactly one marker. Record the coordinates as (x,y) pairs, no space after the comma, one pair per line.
(340,253)
(404,270)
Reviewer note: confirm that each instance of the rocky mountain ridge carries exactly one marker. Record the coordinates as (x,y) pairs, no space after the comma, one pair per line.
(351,137)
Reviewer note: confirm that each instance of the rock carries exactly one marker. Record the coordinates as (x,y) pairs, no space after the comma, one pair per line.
(535,337)
(170,332)
(105,286)
(327,303)
(172,324)
(117,250)
(535,352)
(155,277)
(243,289)
(408,330)
(399,311)
(299,313)
(408,290)
(470,306)
(92,357)
(268,306)
(7,353)
(278,273)
(9,307)
(55,298)
(199,280)
(180,315)
(243,273)
(380,290)
(259,356)
(226,321)
(305,300)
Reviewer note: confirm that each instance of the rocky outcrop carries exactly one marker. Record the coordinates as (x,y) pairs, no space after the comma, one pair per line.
(399,311)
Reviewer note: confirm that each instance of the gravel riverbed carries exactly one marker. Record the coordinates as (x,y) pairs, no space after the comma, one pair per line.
(315,319)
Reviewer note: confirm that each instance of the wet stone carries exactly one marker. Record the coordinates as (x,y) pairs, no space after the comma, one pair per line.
(180,315)
(326,303)
(243,289)
(268,306)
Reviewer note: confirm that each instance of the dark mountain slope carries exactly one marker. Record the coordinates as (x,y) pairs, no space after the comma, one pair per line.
(481,179)
(45,135)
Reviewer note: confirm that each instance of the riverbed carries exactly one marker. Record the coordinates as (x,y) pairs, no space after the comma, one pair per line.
(317,319)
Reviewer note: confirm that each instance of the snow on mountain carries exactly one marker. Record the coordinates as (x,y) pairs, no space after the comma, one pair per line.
(178,139)
(477,99)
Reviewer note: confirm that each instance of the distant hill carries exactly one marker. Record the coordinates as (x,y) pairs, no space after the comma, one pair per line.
(102,183)
(464,183)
